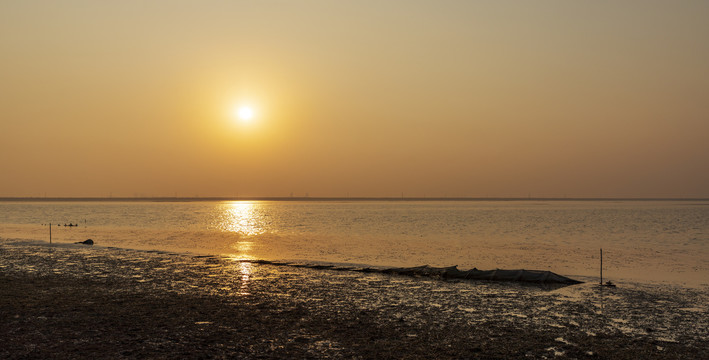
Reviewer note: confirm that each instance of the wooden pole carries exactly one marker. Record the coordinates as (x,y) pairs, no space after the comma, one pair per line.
(50,233)
(601,266)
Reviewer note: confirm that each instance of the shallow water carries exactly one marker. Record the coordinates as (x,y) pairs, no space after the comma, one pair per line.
(643,241)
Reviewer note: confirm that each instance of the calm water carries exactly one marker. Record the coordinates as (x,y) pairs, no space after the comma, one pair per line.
(664,241)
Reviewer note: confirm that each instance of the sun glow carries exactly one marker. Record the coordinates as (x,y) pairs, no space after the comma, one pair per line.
(244,113)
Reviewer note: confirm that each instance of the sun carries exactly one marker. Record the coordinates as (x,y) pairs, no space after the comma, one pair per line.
(244,113)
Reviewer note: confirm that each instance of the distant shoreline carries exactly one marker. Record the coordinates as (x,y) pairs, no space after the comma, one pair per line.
(325,199)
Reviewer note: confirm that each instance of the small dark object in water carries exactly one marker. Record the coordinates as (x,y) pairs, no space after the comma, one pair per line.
(85,242)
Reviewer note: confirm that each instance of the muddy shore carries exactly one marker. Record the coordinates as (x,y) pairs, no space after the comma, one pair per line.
(92,302)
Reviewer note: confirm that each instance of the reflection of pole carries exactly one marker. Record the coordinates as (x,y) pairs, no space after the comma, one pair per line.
(50,233)
(601,266)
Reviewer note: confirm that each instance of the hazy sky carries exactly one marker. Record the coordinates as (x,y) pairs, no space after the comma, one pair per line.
(358,98)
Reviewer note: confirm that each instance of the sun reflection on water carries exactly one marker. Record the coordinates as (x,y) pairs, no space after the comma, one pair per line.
(242,218)
(243,249)
(242,278)
(245,270)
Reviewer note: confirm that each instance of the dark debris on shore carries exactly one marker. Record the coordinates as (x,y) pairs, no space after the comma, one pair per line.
(69,302)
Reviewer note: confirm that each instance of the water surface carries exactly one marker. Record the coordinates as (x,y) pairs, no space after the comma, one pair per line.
(646,241)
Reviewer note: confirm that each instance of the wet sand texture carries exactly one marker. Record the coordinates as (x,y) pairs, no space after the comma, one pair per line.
(108,303)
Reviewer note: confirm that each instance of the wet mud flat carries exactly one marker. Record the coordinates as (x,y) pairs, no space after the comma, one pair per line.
(93,302)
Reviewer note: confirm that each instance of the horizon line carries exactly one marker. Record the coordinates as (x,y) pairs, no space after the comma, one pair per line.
(339,198)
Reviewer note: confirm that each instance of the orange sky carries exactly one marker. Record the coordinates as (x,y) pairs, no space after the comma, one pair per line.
(358,98)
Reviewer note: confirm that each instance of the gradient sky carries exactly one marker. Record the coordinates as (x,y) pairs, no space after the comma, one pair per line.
(358,98)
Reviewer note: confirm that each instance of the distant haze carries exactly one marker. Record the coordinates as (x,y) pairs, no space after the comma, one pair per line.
(354,98)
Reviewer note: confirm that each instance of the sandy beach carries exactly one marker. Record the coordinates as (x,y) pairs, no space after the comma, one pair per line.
(75,301)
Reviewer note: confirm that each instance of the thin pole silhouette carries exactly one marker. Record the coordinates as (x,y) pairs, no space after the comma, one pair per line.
(601,266)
